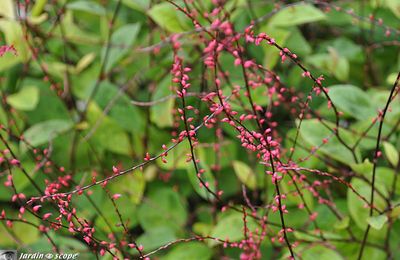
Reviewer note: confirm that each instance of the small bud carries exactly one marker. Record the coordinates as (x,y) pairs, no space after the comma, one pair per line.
(14,162)
(115,169)
(116,196)
(47,215)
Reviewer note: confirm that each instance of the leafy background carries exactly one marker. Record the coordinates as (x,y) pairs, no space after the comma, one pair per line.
(90,96)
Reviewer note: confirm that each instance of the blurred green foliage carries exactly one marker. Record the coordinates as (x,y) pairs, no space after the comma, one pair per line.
(74,97)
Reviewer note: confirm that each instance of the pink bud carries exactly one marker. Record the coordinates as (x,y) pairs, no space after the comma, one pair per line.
(116,196)
(14,162)
(248,64)
(115,169)
(87,239)
(47,215)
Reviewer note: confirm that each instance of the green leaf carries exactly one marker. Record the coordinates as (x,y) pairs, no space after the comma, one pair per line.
(125,208)
(340,67)
(298,44)
(131,185)
(347,49)
(352,101)
(84,203)
(166,16)
(206,177)
(379,99)
(320,252)
(311,237)
(162,207)
(228,152)
(271,54)
(384,176)
(332,63)
(200,228)
(387,177)
(84,62)
(26,99)
(296,15)
(230,227)
(356,205)
(38,7)
(313,132)
(394,5)
(342,224)
(391,153)
(87,6)
(191,250)
(122,111)
(175,160)
(364,168)
(50,106)
(121,41)
(245,174)
(359,127)
(26,233)
(373,253)
(377,222)
(64,244)
(395,213)
(37,20)
(14,35)
(7,9)
(140,5)
(294,199)
(259,96)
(156,237)
(75,33)
(391,78)
(161,113)
(109,133)
(46,131)
(20,180)
(7,61)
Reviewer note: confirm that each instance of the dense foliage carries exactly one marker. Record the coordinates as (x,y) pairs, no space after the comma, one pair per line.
(215,129)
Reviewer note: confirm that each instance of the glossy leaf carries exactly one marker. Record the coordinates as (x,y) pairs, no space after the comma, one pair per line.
(314,133)
(207,177)
(321,252)
(44,132)
(87,6)
(296,15)
(26,99)
(156,237)
(162,207)
(391,153)
(192,250)
(245,174)
(232,234)
(165,16)
(377,222)
(121,41)
(356,205)
(352,101)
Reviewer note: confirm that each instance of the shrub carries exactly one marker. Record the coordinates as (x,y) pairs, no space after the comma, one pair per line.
(200,129)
